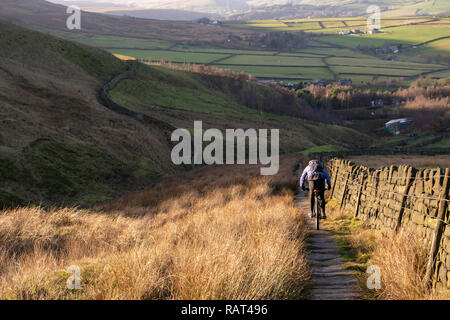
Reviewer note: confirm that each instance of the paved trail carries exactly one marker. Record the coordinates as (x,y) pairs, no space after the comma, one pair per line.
(331,280)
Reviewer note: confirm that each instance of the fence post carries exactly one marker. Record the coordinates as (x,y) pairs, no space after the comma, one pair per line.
(358,199)
(335,176)
(439,228)
(409,182)
(343,191)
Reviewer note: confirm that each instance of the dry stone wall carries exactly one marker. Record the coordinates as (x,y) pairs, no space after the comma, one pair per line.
(400,198)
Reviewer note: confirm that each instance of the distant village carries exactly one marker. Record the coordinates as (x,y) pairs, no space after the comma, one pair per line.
(377,103)
(209,21)
(357,31)
(304,84)
(388,50)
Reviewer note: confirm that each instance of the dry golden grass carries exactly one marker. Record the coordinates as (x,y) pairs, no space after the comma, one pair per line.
(225,236)
(427,113)
(123,57)
(402,258)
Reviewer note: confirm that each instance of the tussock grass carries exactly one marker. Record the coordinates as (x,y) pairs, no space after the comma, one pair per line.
(227,236)
(401,257)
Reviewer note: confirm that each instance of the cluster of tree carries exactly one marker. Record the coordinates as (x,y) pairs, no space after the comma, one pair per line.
(426,101)
(428,113)
(202,69)
(338,97)
(271,99)
(284,41)
(389,93)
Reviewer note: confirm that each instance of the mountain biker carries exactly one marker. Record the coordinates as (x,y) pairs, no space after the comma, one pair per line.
(316,175)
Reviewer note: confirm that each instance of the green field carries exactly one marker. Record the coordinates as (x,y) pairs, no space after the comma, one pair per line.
(284,73)
(384,63)
(444,143)
(175,56)
(441,74)
(321,25)
(374,71)
(338,52)
(204,49)
(435,7)
(406,35)
(429,52)
(327,55)
(274,61)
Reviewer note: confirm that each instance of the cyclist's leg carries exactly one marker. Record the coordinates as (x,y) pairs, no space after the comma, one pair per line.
(322,202)
(312,198)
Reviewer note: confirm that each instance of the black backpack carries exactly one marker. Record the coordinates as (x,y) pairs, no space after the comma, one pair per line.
(317,165)
(317,177)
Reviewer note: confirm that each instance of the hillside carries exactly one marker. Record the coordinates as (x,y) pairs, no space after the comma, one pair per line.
(178,97)
(57,142)
(60,144)
(277,9)
(160,14)
(213,233)
(46,16)
(289,50)
(93,207)
(348,8)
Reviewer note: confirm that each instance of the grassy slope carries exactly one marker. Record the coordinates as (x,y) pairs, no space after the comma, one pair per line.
(212,233)
(339,8)
(180,98)
(406,35)
(41,14)
(308,63)
(57,142)
(136,37)
(434,7)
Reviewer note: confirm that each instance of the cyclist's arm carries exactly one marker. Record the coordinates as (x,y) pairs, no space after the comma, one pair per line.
(303,177)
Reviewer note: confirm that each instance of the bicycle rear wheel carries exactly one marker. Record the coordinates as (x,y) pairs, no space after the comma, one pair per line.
(318,214)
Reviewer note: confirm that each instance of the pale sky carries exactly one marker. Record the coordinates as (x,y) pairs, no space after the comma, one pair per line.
(169,3)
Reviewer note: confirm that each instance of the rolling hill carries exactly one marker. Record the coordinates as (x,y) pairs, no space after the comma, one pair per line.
(269,9)
(161,14)
(59,144)
(46,16)
(347,8)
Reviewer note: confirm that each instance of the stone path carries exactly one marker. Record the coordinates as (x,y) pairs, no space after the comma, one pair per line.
(331,280)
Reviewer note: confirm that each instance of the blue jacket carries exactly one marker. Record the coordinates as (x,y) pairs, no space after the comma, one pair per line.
(309,169)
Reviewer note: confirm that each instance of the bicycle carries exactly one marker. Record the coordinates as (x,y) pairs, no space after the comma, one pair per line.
(317,210)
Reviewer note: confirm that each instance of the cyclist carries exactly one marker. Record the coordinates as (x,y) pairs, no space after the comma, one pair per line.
(316,175)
